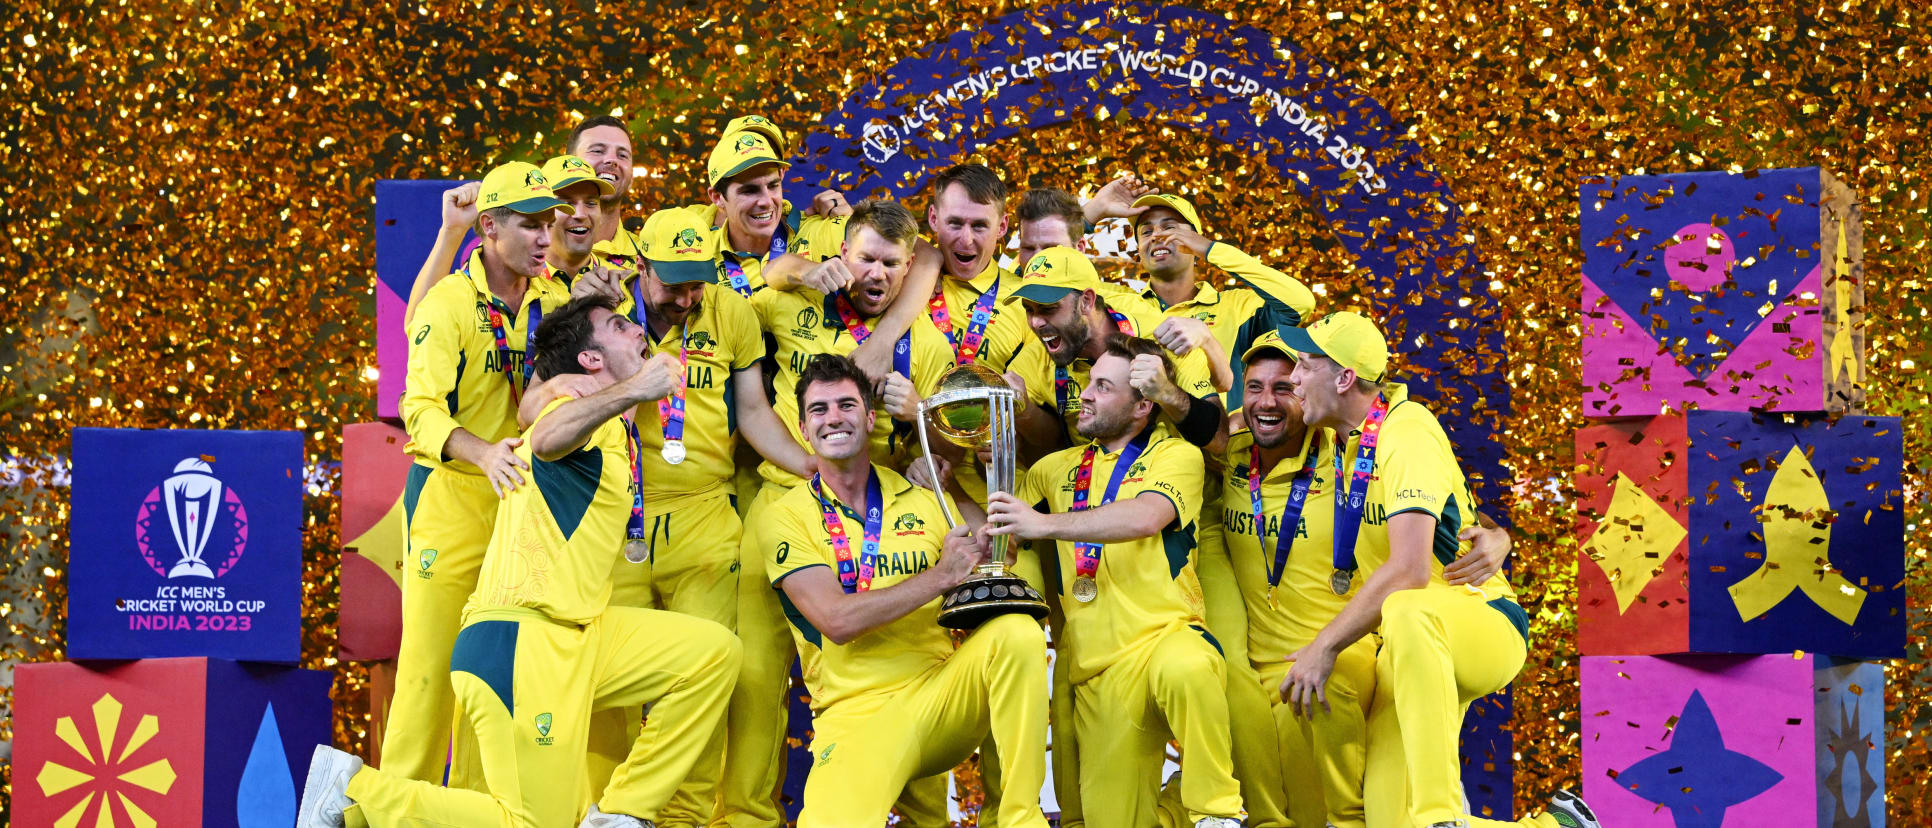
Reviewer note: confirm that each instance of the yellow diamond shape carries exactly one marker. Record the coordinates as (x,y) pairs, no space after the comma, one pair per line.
(1632,541)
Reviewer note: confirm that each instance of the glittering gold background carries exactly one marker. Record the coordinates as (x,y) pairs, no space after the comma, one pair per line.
(187,197)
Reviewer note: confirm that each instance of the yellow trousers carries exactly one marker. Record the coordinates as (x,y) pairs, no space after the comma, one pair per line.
(1063,735)
(1442,648)
(449,516)
(1255,761)
(1026,564)
(866,749)
(1320,759)
(1125,717)
(692,569)
(530,686)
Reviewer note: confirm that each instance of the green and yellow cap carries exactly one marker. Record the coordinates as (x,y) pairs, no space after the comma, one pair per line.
(761,125)
(519,186)
(1347,337)
(1175,203)
(681,247)
(566,171)
(1054,274)
(738,151)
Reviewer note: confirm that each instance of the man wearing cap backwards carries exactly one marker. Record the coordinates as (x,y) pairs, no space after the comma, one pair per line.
(1395,530)
(859,557)
(540,647)
(471,356)
(1122,509)
(685,536)
(804,323)
(1277,523)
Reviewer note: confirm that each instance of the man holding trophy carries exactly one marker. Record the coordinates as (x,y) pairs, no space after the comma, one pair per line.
(860,562)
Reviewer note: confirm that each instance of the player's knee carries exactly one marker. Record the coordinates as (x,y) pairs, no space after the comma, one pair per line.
(1014,633)
(1189,663)
(1408,612)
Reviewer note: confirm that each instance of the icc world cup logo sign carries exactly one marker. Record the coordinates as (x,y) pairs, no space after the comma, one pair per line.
(201,517)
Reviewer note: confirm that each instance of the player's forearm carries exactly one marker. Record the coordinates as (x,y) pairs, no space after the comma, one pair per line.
(1219,370)
(1410,535)
(862,612)
(1272,284)
(464,446)
(762,429)
(441,259)
(535,397)
(568,426)
(785,272)
(1117,522)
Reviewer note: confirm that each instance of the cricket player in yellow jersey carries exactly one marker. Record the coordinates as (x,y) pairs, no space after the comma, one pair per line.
(1121,510)
(1400,502)
(470,359)
(573,237)
(804,323)
(860,557)
(745,177)
(540,648)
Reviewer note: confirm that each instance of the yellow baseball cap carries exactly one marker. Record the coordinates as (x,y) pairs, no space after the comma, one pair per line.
(1347,337)
(681,247)
(1270,341)
(1054,274)
(519,186)
(761,125)
(566,171)
(739,151)
(1175,203)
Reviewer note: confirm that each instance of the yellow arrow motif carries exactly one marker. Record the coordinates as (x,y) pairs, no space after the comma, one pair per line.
(1840,352)
(1796,517)
(1632,541)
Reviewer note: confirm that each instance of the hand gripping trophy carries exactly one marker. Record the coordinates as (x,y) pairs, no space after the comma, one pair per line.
(973,409)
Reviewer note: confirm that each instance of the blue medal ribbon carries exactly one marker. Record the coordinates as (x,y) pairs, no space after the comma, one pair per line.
(1348,510)
(1290,514)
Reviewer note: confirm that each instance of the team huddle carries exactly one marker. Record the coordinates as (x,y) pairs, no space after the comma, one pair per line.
(655,467)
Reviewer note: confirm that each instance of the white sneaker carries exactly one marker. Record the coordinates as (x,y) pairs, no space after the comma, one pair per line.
(1570,812)
(599,819)
(325,793)
(1217,822)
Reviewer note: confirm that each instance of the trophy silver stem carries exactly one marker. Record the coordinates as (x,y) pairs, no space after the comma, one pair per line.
(932,467)
(974,409)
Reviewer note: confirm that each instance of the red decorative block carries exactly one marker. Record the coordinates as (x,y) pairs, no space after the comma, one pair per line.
(374,469)
(1633,566)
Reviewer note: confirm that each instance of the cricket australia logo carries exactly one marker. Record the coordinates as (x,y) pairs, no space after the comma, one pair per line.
(534,179)
(700,342)
(424,562)
(1038,269)
(687,242)
(746,144)
(543,730)
(194,517)
(908,524)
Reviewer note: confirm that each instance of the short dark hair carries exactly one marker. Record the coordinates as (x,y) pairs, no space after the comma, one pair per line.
(890,219)
(982,185)
(831,369)
(565,333)
(1047,202)
(594,122)
(1128,347)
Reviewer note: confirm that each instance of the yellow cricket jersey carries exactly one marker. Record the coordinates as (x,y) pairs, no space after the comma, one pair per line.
(1238,316)
(721,339)
(457,377)
(804,323)
(815,237)
(557,539)
(1007,335)
(1148,586)
(1415,471)
(1142,317)
(1304,601)
(912,533)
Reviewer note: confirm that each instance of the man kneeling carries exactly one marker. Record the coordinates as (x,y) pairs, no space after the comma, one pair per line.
(860,557)
(540,649)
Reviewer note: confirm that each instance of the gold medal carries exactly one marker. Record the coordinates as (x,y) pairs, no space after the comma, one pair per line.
(1271,598)
(673,451)
(1340,580)
(1085,590)
(636,550)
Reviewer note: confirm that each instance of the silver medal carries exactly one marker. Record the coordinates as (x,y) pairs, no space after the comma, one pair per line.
(636,550)
(1340,580)
(673,451)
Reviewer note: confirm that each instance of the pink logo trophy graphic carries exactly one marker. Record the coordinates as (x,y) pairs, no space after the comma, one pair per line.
(194,501)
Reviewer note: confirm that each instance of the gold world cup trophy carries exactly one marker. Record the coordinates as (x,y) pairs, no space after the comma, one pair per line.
(973,409)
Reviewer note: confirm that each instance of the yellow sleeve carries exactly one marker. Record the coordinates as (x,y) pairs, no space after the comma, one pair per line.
(931,358)
(1036,368)
(435,351)
(819,237)
(1414,468)
(1033,487)
(739,326)
(765,307)
(1194,376)
(1269,282)
(1174,471)
(790,542)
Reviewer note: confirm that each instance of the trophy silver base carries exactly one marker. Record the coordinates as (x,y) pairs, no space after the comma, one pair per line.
(984,597)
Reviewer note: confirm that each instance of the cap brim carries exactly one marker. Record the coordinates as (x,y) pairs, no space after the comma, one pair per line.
(532,206)
(1187,214)
(603,186)
(683,272)
(1043,294)
(1275,346)
(746,165)
(1299,340)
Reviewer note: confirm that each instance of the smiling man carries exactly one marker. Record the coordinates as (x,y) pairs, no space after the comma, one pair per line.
(574,235)
(860,559)
(604,142)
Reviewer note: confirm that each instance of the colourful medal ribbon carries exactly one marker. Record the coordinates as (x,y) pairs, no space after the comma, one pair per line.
(633,449)
(735,272)
(1290,516)
(1086,556)
(854,325)
(965,349)
(1348,511)
(1063,381)
(497,329)
(853,578)
(670,410)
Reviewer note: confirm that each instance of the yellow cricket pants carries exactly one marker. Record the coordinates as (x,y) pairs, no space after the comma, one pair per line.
(1026,564)
(1125,716)
(866,749)
(530,686)
(1320,759)
(1254,750)
(1442,648)
(755,726)
(1060,729)
(449,516)
(693,569)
